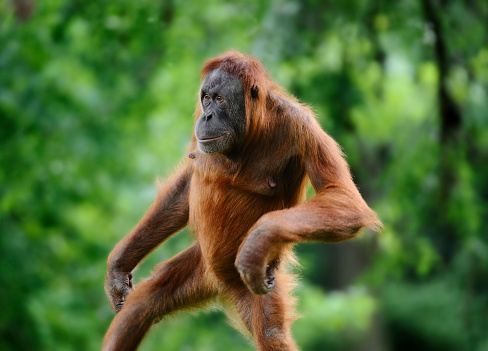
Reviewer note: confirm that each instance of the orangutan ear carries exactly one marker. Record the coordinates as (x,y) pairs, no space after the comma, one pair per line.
(254,91)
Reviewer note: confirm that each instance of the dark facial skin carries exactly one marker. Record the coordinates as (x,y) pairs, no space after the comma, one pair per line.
(223,122)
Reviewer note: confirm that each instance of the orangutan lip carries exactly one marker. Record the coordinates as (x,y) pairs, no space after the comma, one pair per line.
(210,139)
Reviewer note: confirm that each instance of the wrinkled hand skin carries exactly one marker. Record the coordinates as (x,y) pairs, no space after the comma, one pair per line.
(117,286)
(253,265)
(259,283)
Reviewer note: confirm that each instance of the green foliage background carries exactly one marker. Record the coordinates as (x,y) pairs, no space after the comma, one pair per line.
(96,101)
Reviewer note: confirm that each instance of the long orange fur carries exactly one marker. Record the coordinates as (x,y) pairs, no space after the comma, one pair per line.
(245,212)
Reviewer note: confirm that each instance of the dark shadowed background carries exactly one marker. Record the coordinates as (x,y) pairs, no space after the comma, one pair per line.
(97,100)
